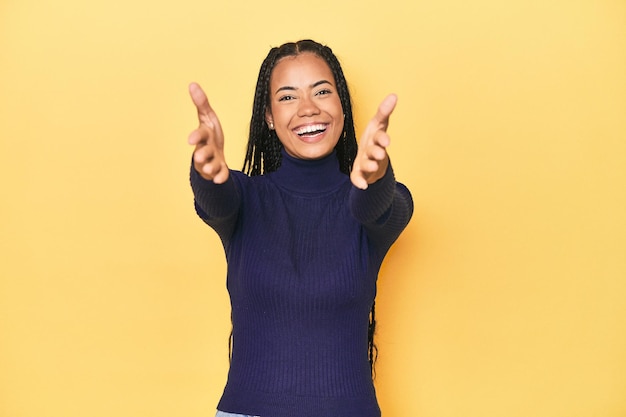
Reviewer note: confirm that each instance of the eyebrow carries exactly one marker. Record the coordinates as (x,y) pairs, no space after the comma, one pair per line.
(290,88)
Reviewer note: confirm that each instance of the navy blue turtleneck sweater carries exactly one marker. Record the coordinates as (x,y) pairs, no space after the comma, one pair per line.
(304,247)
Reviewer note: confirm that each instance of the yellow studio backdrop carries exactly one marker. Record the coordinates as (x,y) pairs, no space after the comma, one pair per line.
(504,297)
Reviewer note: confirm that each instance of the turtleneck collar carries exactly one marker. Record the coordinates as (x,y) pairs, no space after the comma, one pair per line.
(309,176)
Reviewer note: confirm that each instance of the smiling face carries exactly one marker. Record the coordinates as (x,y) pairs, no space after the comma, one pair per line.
(305,109)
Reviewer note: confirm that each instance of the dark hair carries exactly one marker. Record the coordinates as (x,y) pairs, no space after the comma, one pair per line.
(263,151)
(372,350)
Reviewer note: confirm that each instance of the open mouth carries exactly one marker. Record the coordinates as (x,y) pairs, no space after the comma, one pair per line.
(311,130)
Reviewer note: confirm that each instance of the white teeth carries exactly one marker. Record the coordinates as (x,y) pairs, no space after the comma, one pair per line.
(310,128)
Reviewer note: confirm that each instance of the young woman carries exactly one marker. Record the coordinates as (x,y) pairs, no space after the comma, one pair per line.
(305,227)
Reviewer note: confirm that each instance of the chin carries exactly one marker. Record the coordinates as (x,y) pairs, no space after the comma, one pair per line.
(314,154)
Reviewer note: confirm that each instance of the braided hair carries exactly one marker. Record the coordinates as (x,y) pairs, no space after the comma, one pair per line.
(263,153)
(263,150)
(372,350)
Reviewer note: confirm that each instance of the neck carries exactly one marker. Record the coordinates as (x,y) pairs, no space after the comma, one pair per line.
(309,175)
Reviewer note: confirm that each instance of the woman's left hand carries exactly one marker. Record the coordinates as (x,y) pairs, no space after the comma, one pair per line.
(372,160)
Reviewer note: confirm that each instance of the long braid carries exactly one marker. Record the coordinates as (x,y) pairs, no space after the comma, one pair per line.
(230,341)
(261,137)
(372,350)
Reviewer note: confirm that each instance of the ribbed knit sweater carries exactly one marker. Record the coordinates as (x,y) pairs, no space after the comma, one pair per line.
(304,248)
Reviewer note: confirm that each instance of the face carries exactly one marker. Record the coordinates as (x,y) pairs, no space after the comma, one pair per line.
(305,109)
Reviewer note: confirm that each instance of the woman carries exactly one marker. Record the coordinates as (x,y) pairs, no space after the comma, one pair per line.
(305,228)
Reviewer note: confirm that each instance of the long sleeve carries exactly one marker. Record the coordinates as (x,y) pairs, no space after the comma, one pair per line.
(217,204)
(384,209)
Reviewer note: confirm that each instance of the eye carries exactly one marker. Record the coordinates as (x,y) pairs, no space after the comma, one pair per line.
(286,98)
(324,92)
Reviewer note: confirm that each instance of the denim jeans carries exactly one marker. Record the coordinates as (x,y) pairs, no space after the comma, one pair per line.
(223,414)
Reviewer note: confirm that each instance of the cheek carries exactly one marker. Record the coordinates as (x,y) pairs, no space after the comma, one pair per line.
(339,114)
(340,118)
(340,124)
(281,129)
(282,118)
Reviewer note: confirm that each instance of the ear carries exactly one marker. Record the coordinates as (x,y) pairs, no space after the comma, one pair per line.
(269,119)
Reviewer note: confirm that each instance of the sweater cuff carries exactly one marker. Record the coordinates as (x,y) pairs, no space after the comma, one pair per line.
(372,204)
(213,200)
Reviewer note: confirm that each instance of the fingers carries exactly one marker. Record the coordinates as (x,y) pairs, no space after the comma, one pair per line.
(372,159)
(208,138)
(217,127)
(358,180)
(385,109)
(206,114)
(379,123)
(197,136)
(201,102)
(208,156)
(377,148)
(215,171)
(209,161)
(376,129)
(371,163)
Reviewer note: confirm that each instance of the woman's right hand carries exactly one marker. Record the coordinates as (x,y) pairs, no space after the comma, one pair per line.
(208,138)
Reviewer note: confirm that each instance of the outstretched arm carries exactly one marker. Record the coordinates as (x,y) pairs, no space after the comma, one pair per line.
(215,192)
(381,204)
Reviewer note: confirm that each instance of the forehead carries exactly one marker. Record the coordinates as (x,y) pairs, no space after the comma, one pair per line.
(301,70)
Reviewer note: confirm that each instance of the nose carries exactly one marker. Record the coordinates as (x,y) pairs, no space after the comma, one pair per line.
(307,107)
